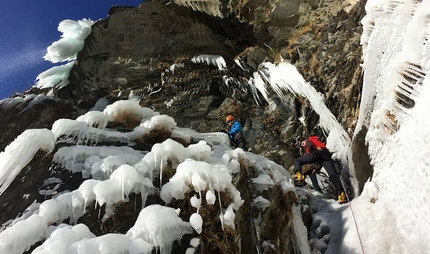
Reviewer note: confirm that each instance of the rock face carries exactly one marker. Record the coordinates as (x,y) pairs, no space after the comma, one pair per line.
(163,54)
(148,51)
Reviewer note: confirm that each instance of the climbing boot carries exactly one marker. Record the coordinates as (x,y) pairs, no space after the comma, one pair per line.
(298,177)
(341,198)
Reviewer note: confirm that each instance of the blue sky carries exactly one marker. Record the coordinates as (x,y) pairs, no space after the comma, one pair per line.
(28,27)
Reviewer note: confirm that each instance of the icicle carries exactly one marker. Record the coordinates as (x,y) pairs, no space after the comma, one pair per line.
(221,217)
(144,196)
(98,216)
(229,216)
(122,188)
(196,202)
(199,185)
(210,197)
(161,171)
(196,222)
(85,205)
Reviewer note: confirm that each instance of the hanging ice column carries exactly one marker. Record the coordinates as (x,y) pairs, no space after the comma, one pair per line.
(21,151)
(285,77)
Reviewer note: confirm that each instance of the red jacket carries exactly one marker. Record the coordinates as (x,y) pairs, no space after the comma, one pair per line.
(313,143)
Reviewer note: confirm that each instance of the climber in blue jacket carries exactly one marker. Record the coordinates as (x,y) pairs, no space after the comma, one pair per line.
(234,131)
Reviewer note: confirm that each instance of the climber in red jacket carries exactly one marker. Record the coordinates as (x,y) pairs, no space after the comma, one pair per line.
(317,152)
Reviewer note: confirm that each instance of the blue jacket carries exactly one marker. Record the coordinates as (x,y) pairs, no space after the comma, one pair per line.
(235,128)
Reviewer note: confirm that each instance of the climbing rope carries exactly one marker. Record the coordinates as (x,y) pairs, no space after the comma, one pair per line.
(352,212)
(339,166)
(353,215)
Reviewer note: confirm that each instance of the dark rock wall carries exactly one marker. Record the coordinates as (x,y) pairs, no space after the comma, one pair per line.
(364,170)
(39,112)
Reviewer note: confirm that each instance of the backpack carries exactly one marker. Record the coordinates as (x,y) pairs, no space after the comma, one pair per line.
(316,142)
(239,140)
